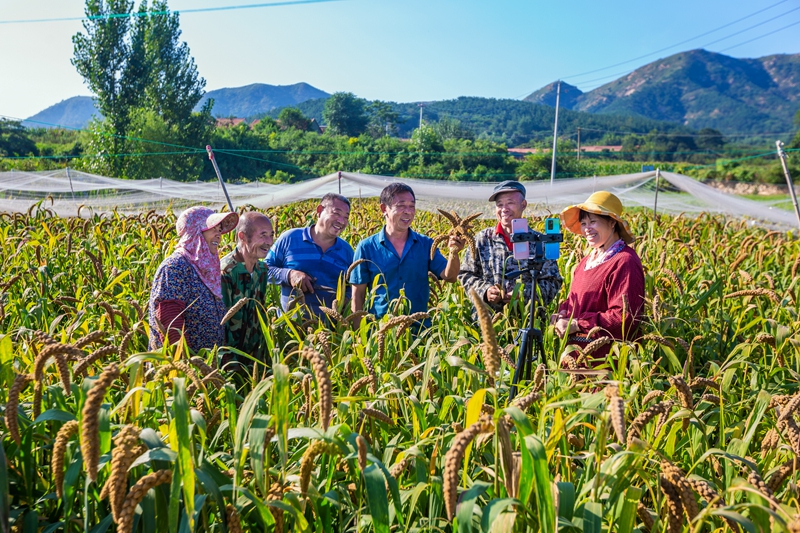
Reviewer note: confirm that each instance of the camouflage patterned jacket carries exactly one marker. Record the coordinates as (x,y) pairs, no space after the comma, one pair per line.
(489,269)
(243,330)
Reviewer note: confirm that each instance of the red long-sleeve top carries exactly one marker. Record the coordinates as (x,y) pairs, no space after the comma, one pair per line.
(597,296)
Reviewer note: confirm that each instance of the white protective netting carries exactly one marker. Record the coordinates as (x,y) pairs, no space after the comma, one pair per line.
(69,189)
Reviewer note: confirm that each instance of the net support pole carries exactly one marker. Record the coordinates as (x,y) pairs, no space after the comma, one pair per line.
(555,137)
(69,177)
(219,176)
(655,202)
(784,164)
(340,182)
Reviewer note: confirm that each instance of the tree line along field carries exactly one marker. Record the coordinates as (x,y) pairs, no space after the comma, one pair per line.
(690,428)
(285,151)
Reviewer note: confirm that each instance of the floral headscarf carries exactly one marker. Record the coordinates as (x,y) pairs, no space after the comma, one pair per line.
(194,247)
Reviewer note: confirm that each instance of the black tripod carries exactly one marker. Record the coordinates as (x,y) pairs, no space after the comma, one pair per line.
(531,340)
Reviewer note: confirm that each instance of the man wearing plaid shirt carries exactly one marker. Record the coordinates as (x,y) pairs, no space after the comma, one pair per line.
(491,273)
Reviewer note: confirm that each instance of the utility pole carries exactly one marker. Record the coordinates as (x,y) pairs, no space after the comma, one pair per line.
(579,143)
(655,202)
(70,185)
(421,107)
(555,137)
(782,157)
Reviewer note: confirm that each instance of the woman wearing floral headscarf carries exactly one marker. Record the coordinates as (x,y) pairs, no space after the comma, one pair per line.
(607,290)
(187,292)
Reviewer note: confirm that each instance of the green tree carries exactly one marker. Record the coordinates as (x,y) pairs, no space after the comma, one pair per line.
(710,139)
(426,141)
(14,140)
(383,119)
(110,57)
(344,114)
(451,128)
(796,141)
(291,117)
(146,83)
(174,87)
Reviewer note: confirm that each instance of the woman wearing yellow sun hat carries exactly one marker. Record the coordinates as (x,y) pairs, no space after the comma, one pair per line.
(607,289)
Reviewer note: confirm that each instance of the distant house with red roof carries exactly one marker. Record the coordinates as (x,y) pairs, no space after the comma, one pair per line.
(229,122)
(601,148)
(520,153)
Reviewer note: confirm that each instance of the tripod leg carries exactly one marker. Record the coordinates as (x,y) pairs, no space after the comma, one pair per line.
(536,351)
(522,362)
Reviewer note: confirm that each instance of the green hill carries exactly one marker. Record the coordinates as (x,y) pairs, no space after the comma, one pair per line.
(257,98)
(699,89)
(514,122)
(244,101)
(72,113)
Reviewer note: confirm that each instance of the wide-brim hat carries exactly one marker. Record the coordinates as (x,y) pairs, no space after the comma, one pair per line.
(226,221)
(201,218)
(599,203)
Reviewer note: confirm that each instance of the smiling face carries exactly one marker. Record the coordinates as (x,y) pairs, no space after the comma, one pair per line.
(400,213)
(508,206)
(600,231)
(256,242)
(213,237)
(333,218)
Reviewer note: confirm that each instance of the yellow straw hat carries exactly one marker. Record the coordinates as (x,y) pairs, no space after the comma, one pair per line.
(599,203)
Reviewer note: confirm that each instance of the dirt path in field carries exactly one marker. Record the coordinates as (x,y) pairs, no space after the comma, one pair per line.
(740,187)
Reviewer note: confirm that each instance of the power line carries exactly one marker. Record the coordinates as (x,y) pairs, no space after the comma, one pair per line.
(168,12)
(541,132)
(628,71)
(750,27)
(242,153)
(676,44)
(691,134)
(617,75)
(111,135)
(762,36)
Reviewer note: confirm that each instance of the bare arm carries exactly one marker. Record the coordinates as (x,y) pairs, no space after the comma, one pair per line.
(450,272)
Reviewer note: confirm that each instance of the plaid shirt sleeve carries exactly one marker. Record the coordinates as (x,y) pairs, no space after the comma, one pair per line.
(492,267)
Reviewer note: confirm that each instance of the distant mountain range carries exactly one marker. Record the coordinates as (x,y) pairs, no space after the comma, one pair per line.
(258,98)
(72,113)
(247,101)
(699,89)
(693,90)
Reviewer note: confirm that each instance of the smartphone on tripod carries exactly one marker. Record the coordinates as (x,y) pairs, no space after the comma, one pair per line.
(552,226)
(522,250)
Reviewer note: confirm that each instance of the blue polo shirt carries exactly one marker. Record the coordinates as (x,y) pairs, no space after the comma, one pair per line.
(296,250)
(409,271)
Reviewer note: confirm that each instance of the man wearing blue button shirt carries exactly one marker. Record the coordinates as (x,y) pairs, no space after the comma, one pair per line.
(308,262)
(399,257)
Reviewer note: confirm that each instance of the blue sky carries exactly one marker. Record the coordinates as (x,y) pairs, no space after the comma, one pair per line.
(403,50)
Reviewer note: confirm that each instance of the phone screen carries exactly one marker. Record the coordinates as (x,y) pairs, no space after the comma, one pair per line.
(552,249)
(521,250)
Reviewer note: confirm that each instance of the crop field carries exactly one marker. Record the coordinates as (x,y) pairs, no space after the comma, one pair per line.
(690,427)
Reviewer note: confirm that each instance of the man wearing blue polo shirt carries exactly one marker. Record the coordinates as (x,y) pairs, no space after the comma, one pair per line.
(309,261)
(400,257)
